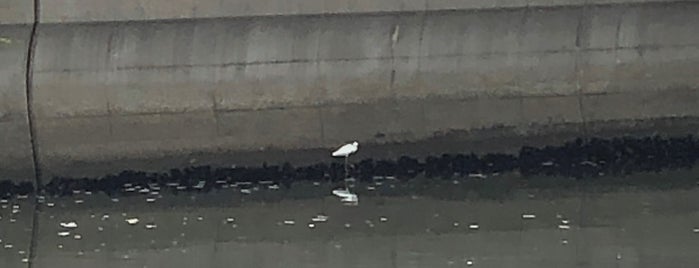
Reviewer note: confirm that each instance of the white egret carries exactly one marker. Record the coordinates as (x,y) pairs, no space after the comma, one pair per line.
(345,151)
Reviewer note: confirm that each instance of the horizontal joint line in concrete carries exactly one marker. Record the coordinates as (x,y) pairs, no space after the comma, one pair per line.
(296,61)
(332,104)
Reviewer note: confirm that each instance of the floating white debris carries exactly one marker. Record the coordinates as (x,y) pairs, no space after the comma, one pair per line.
(266,182)
(390,177)
(320,218)
(181,188)
(528,216)
(315,183)
(60,246)
(115,200)
(477,175)
(273,187)
(77,237)
(151,226)
(132,221)
(289,222)
(246,191)
(100,228)
(547,163)
(12,220)
(383,219)
(618,256)
(456,224)
(564,227)
(588,163)
(63,234)
(473,226)
(311,225)
(347,225)
(69,225)
(50,204)
(150,200)
(230,220)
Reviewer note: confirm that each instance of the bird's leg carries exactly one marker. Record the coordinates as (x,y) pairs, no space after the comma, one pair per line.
(346,170)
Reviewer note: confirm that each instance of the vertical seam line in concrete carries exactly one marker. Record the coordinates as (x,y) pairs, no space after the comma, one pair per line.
(577,69)
(420,41)
(29,69)
(29,96)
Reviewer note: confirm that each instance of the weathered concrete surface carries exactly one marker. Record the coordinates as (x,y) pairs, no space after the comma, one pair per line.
(628,229)
(151,89)
(15,147)
(16,12)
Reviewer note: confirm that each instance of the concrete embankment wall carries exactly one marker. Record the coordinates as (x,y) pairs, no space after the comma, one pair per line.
(145,80)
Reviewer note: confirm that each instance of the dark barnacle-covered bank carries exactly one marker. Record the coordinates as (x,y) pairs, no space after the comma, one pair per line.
(583,160)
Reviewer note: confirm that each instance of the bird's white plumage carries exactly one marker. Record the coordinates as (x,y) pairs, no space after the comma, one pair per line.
(346,150)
